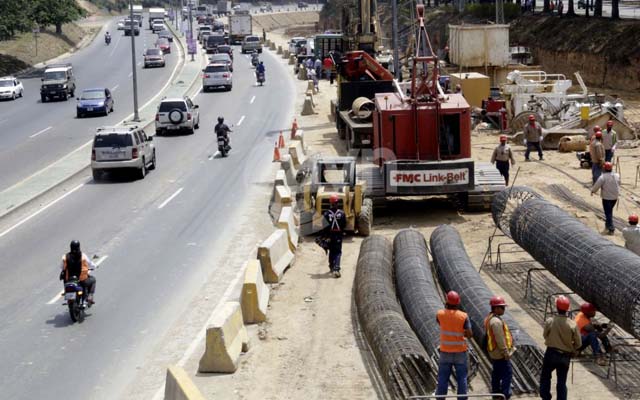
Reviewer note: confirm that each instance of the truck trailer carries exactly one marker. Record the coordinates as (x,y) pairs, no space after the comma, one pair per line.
(240,26)
(154,14)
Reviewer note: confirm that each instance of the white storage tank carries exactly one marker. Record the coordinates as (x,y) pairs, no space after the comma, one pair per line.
(479,45)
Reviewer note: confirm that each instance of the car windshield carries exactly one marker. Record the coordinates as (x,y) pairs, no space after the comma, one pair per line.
(113,140)
(213,39)
(162,41)
(54,76)
(164,33)
(205,29)
(216,68)
(252,39)
(6,83)
(153,52)
(167,106)
(224,49)
(92,94)
(220,57)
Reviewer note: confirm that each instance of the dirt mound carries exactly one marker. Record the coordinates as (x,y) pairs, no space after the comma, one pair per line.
(10,64)
(275,21)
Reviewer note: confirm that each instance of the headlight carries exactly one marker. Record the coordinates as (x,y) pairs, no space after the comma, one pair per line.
(64,86)
(101,104)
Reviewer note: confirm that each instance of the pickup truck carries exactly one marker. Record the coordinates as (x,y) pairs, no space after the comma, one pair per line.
(251,43)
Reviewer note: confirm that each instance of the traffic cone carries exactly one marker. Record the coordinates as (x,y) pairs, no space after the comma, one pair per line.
(294,128)
(281,141)
(276,153)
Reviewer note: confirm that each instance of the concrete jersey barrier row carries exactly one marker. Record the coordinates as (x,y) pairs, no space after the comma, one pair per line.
(226,339)
(178,385)
(275,256)
(255,294)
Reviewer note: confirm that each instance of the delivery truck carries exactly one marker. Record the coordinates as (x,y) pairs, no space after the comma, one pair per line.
(239,27)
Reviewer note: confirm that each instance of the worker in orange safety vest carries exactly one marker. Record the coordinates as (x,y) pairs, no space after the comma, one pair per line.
(500,347)
(76,264)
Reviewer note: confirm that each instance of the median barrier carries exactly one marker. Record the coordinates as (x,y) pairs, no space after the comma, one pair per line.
(300,137)
(297,153)
(287,223)
(272,46)
(307,107)
(302,73)
(281,179)
(289,169)
(309,93)
(178,385)
(275,256)
(255,294)
(226,338)
(292,59)
(279,51)
(283,195)
(285,54)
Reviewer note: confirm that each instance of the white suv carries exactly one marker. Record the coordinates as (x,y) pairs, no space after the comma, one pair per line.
(119,147)
(177,114)
(10,88)
(217,75)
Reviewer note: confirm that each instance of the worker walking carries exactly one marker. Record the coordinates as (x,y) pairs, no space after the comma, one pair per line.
(631,235)
(500,347)
(591,332)
(562,338)
(596,150)
(454,327)
(501,156)
(609,139)
(533,136)
(609,185)
(336,222)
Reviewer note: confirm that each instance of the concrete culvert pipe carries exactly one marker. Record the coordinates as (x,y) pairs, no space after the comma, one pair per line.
(362,108)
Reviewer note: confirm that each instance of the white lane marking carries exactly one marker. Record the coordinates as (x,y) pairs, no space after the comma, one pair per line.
(164,203)
(41,132)
(139,64)
(240,122)
(59,295)
(115,46)
(130,74)
(252,99)
(115,88)
(41,210)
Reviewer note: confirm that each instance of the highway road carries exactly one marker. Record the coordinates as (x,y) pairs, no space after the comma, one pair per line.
(35,134)
(157,240)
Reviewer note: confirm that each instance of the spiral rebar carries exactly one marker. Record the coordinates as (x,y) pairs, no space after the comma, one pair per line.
(506,201)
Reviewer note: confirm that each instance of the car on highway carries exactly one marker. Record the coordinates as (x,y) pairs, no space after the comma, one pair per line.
(121,25)
(130,25)
(237,7)
(122,147)
(164,45)
(251,43)
(58,81)
(213,41)
(177,114)
(221,58)
(226,49)
(10,88)
(166,34)
(293,43)
(158,26)
(94,101)
(217,75)
(153,58)
(202,30)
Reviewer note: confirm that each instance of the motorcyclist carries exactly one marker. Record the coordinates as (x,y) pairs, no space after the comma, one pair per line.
(260,70)
(76,263)
(254,57)
(107,38)
(222,131)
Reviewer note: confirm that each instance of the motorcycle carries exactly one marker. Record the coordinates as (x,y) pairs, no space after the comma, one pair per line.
(76,298)
(255,60)
(107,40)
(260,77)
(223,145)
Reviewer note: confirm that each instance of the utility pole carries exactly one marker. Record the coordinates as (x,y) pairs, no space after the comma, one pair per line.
(190,40)
(394,38)
(136,116)
(499,11)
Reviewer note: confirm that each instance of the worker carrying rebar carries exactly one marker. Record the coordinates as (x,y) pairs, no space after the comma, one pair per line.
(609,185)
(592,332)
(631,235)
(609,139)
(501,156)
(596,151)
(533,137)
(562,338)
(454,328)
(336,222)
(500,347)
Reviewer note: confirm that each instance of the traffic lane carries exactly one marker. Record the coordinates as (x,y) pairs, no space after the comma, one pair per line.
(155,257)
(28,150)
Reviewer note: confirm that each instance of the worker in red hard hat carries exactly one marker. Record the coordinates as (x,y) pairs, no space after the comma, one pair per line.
(454,328)
(501,156)
(592,332)
(596,151)
(499,346)
(631,235)
(609,139)
(609,185)
(533,137)
(562,338)
(336,221)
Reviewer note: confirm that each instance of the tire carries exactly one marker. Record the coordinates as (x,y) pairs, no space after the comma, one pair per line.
(73,92)
(191,131)
(197,125)
(21,93)
(153,161)
(81,315)
(13,97)
(175,121)
(365,218)
(78,115)
(97,175)
(43,98)
(142,172)
(228,88)
(74,312)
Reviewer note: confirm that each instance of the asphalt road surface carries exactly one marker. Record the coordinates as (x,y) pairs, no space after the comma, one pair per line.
(154,238)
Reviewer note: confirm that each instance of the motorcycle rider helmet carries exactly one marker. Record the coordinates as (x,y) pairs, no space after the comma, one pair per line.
(74,246)
(220,120)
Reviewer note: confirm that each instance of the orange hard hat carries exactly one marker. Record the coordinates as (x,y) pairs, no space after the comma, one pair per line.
(588,308)
(333,199)
(532,117)
(633,219)
(503,138)
(609,123)
(599,134)
(563,303)
(453,298)
(608,166)
(596,128)
(497,301)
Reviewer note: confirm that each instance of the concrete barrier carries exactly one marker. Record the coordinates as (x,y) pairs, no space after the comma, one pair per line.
(302,73)
(255,294)
(275,256)
(300,137)
(272,46)
(226,338)
(307,107)
(297,153)
(285,54)
(283,195)
(178,385)
(292,59)
(279,51)
(286,222)
(286,163)
(281,179)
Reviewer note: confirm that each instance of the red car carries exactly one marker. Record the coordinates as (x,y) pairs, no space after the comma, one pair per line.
(164,45)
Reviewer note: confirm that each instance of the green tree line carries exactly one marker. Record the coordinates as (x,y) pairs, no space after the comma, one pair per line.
(24,15)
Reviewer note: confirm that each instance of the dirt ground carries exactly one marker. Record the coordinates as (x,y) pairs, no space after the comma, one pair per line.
(311,346)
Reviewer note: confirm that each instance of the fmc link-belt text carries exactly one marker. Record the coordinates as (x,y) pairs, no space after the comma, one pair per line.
(429,178)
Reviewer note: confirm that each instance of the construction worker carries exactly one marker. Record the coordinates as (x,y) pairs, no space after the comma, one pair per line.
(591,332)
(631,235)
(595,129)
(501,156)
(562,338)
(596,150)
(609,139)
(500,347)
(336,222)
(454,327)
(533,136)
(609,185)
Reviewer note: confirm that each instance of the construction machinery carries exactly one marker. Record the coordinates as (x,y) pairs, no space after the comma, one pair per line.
(335,175)
(359,25)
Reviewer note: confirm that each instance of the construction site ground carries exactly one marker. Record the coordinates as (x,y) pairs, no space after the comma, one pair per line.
(311,346)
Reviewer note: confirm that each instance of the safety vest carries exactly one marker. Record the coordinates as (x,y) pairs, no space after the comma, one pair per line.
(84,268)
(452,331)
(582,321)
(491,337)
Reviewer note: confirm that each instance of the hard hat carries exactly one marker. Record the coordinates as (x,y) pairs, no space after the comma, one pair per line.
(503,138)
(497,301)
(599,134)
(74,246)
(333,199)
(633,219)
(532,117)
(453,298)
(609,123)
(596,128)
(608,166)
(563,303)
(588,308)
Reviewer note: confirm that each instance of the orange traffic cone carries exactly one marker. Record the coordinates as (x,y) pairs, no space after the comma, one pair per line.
(276,153)
(281,141)
(294,128)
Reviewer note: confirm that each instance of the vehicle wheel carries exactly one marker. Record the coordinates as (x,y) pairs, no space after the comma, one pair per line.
(22,93)
(260,51)
(197,125)
(229,88)
(43,98)
(142,172)
(153,161)
(13,96)
(97,174)
(73,92)
(205,89)
(365,218)
(78,115)
(81,315)
(73,312)
(158,132)
(192,130)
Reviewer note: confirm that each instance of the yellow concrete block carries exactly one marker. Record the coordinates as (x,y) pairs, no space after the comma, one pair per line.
(275,256)
(287,223)
(226,339)
(475,87)
(178,385)
(297,153)
(292,59)
(255,294)
(307,107)
(279,51)
(283,195)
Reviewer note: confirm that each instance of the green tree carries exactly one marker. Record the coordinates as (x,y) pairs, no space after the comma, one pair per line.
(15,17)
(56,12)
